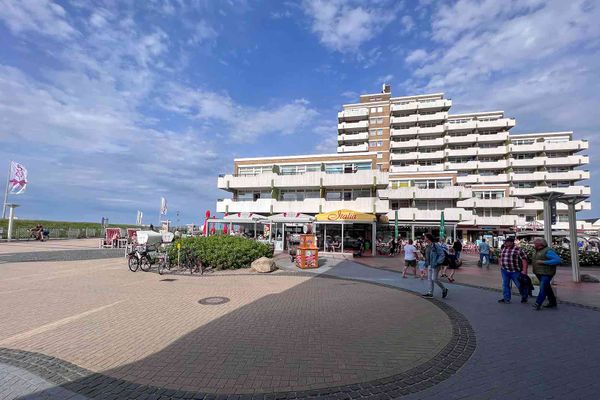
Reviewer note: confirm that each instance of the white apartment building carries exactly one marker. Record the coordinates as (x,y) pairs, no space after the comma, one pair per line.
(409,157)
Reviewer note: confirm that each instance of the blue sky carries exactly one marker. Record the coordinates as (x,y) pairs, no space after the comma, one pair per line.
(113,104)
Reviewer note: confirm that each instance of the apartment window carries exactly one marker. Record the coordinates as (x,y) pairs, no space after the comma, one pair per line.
(558,169)
(373,132)
(395,184)
(434,204)
(523,170)
(529,218)
(252,171)
(520,142)
(347,194)
(489,194)
(524,185)
(299,194)
(379,132)
(372,144)
(524,156)
(399,204)
(489,212)
(253,195)
(487,145)
(461,159)
(379,143)
(557,140)
(556,155)
(376,120)
(379,155)
(460,147)
(432,183)
(379,167)
(373,109)
(559,184)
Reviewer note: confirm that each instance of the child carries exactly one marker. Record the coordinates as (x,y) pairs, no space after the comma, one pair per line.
(421,265)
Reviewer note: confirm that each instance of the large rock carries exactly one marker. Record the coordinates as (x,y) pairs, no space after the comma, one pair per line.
(589,278)
(263,265)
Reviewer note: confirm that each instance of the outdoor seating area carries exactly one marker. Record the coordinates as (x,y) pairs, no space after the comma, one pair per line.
(117,238)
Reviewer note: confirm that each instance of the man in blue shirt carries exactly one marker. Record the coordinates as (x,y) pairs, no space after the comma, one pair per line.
(484,253)
(544,263)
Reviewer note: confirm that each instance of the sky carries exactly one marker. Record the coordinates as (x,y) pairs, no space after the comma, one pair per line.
(112,105)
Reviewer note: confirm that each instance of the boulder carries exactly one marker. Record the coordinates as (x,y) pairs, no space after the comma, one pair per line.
(263,265)
(589,278)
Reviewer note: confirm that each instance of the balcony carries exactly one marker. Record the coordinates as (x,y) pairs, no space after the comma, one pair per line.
(526,148)
(574,175)
(438,142)
(409,119)
(413,155)
(365,178)
(308,206)
(353,126)
(415,214)
(496,137)
(306,180)
(505,202)
(441,104)
(438,116)
(571,145)
(461,166)
(461,126)
(231,182)
(467,179)
(352,149)
(504,220)
(362,204)
(505,123)
(539,206)
(582,190)
(412,131)
(550,161)
(492,151)
(403,193)
(432,130)
(417,168)
(260,206)
(496,178)
(353,114)
(492,164)
(353,137)
(404,145)
(526,177)
(467,139)
(471,152)
(567,161)
(434,155)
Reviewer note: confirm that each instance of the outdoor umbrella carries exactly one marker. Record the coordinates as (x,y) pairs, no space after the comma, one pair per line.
(442,226)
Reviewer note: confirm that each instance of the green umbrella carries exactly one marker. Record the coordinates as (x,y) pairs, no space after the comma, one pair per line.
(442,227)
(396,225)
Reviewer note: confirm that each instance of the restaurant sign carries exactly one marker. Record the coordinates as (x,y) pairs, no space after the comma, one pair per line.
(345,216)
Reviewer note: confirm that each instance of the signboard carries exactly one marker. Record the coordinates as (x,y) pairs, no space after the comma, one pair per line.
(345,216)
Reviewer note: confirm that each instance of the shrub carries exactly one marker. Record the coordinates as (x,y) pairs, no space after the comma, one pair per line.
(586,258)
(221,251)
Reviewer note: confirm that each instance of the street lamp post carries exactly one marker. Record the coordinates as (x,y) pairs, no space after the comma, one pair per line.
(571,201)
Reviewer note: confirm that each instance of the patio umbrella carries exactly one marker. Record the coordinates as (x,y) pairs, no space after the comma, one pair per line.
(442,226)
(396,225)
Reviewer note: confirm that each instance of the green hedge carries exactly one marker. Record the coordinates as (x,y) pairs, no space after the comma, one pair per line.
(586,258)
(221,251)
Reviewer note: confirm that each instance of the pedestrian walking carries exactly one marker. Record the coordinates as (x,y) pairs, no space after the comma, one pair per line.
(513,263)
(544,263)
(453,265)
(484,253)
(434,258)
(457,246)
(410,258)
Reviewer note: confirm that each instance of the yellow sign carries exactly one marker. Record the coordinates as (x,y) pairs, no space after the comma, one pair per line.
(345,215)
(178,246)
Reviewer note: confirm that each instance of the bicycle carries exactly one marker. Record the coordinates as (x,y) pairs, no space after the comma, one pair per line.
(139,257)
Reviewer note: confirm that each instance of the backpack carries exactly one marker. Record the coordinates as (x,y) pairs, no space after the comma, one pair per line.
(446,255)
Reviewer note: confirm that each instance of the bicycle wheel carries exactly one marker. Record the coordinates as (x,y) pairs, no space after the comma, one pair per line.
(145,264)
(133,263)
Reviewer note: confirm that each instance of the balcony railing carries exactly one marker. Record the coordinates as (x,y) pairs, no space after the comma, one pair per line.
(353,137)
(353,126)
(353,114)
(404,193)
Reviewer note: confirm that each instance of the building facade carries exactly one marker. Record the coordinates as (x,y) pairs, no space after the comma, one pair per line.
(409,158)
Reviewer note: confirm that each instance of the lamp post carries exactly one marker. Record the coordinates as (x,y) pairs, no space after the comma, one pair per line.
(571,201)
(11,216)
(547,198)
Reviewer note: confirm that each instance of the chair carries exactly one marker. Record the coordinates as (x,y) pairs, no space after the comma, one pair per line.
(111,239)
(132,235)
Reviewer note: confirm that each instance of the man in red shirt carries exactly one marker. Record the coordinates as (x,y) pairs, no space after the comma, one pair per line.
(513,263)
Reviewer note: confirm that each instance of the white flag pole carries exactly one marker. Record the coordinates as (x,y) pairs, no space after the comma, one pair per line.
(6,193)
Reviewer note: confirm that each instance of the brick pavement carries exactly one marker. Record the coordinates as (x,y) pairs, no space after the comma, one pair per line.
(282,332)
(520,353)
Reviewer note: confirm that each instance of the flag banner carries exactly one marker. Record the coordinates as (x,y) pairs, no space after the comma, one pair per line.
(163,206)
(17,181)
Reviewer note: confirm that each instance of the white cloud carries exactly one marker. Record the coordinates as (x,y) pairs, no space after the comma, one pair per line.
(407,23)
(39,16)
(345,25)
(385,78)
(416,56)
(237,122)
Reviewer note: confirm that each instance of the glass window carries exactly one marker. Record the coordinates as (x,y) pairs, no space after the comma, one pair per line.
(379,143)
(333,196)
(379,109)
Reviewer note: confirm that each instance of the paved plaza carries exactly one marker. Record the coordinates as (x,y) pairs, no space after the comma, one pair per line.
(93,329)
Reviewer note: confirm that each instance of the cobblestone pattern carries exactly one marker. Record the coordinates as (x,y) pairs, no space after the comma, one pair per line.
(95,385)
(17,383)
